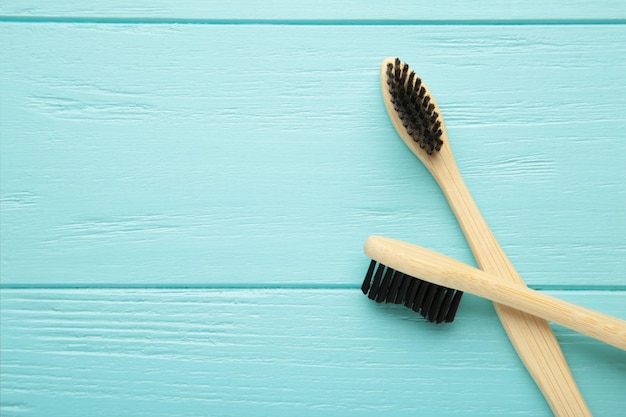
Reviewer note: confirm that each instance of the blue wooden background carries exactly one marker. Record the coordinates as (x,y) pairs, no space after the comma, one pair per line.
(186,187)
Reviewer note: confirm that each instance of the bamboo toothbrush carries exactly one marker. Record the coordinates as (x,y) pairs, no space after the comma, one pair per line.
(419,264)
(418,121)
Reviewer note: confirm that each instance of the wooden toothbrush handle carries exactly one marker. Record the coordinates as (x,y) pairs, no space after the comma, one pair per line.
(531,336)
(442,270)
(600,326)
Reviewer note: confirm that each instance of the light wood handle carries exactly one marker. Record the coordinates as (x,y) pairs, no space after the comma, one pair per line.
(531,336)
(442,270)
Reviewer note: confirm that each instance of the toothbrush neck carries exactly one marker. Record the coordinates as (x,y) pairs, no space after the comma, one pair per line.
(487,252)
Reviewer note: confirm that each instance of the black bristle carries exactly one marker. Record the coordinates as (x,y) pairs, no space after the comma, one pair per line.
(435,303)
(376,282)
(428,299)
(402,290)
(383,289)
(411,81)
(419,297)
(414,106)
(394,286)
(445,305)
(404,74)
(453,307)
(418,83)
(417,300)
(368,277)
(410,293)
(433,311)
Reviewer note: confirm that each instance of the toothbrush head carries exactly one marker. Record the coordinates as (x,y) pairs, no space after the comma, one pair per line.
(411,107)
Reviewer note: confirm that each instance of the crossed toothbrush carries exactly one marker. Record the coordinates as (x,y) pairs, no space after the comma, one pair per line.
(442,280)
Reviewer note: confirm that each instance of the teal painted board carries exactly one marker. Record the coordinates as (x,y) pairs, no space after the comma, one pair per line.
(279,352)
(236,155)
(324,11)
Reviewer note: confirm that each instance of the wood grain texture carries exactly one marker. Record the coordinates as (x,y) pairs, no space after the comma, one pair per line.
(324,11)
(175,155)
(276,352)
(425,266)
(139,150)
(532,338)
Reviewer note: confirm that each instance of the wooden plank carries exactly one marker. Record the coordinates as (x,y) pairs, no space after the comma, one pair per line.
(175,155)
(276,352)
(324,10)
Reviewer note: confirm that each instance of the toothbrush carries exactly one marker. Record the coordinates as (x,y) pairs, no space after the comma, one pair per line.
(418,121)
(390,256)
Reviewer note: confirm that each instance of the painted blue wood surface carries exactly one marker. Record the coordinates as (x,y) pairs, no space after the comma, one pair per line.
(227,155)
(278,352)
(322,11)
(248,155)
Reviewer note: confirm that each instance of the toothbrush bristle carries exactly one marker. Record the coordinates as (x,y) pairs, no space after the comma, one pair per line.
(414,106)
(435,303)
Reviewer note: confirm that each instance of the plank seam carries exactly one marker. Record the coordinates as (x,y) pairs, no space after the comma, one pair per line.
(307,22)
(610,288)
